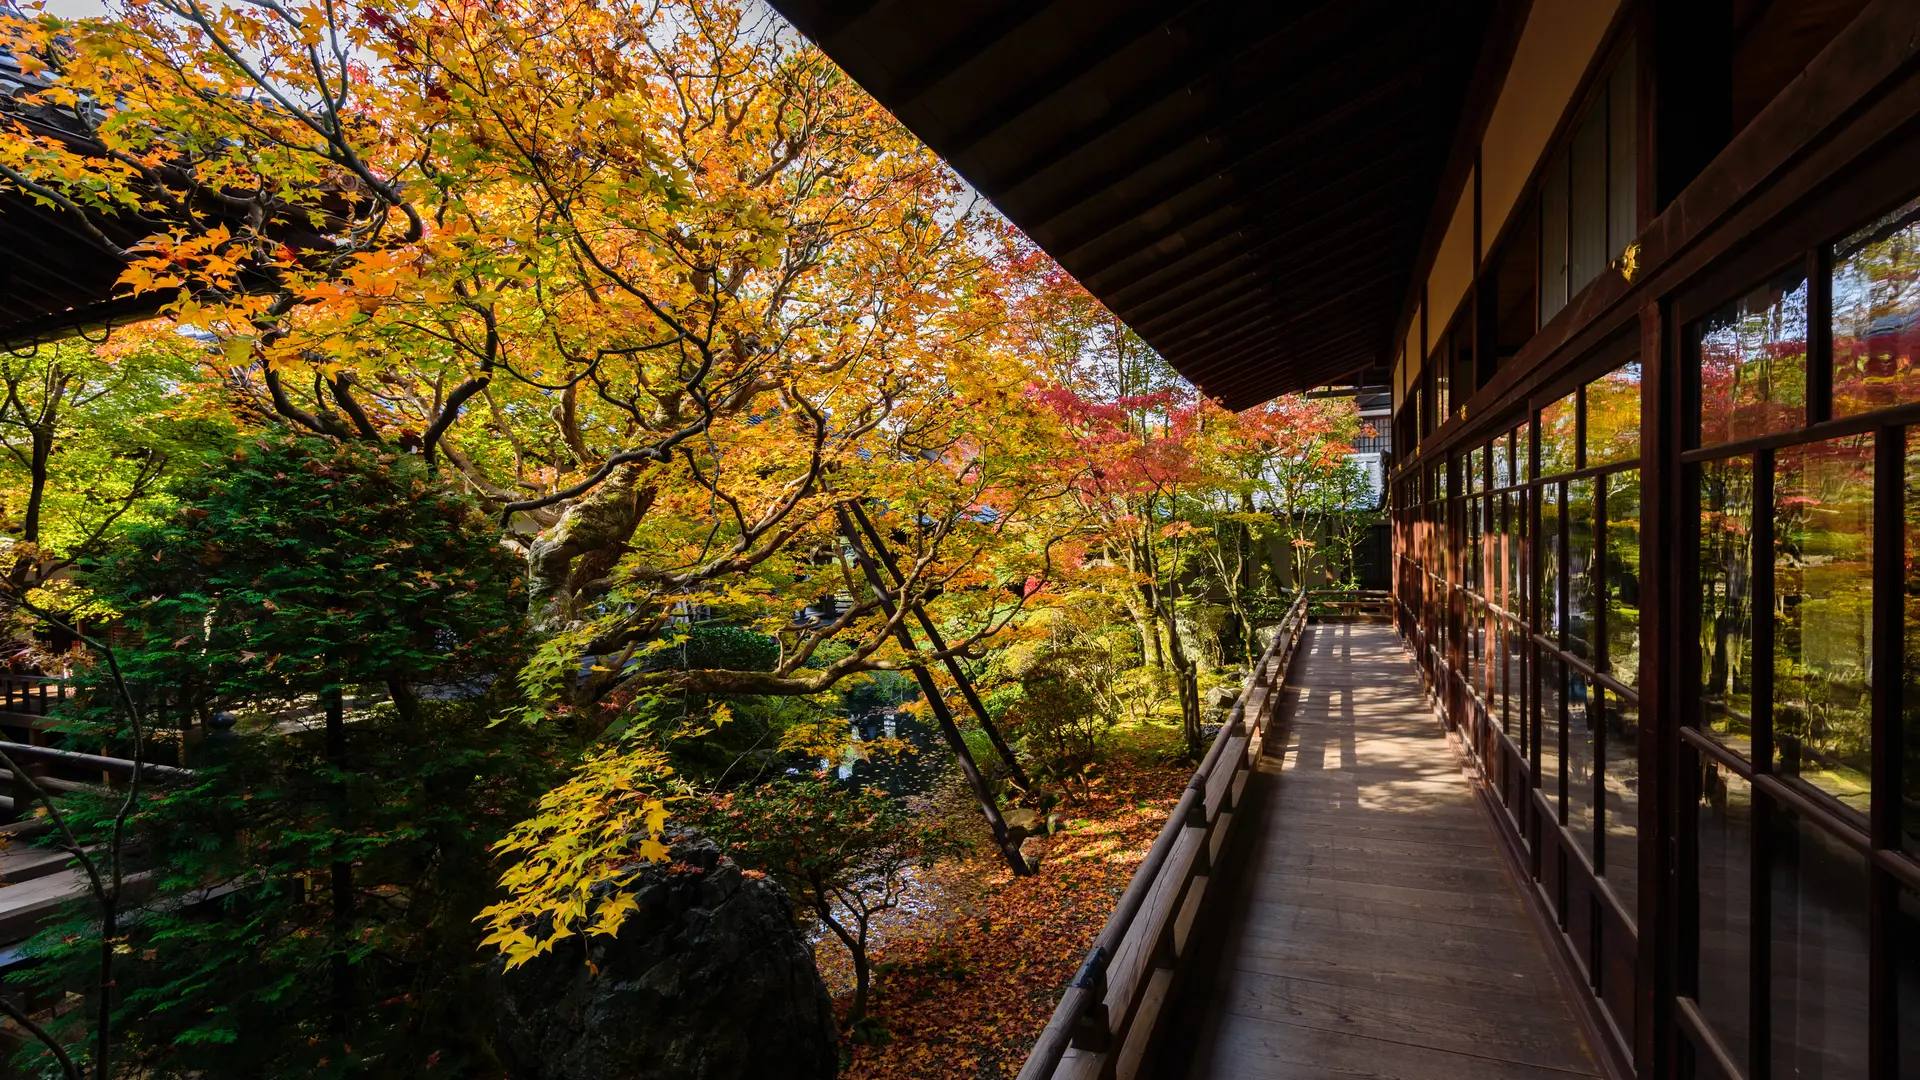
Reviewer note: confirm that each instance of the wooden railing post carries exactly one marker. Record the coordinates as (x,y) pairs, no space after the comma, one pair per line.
(1092,1031)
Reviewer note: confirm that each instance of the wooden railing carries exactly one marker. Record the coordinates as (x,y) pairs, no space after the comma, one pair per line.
(1105,1023)
(26,699)
(1348,603)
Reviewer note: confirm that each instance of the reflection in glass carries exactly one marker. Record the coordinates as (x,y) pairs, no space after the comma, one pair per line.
(1823,621)
(1876,314)
(1552,680)
(1613,417)
(1725,862)
(1510,701)
(1580,712)
(1523,452)
(1582,570)
(1473,553)
(1622,572)
(1753,363)
(1621,778)
(1726,601)
(1502,453)
(1517,539)
(1819,953)
(1546,593)
(1558,437)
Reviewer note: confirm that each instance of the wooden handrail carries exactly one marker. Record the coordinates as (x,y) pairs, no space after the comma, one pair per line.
(1105,1020)
(111,765)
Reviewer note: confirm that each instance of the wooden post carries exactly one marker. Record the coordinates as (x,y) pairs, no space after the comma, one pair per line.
(1662,687)
(1093,1031)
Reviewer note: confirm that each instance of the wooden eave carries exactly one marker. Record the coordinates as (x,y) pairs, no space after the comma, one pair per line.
(1246,184)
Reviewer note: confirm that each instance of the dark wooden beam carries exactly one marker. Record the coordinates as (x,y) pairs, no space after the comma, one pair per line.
(1308,235)
(1191,81)
(1147,23)
(1238,352)
(1300,352)
(1009,20)
(1281,368)
(1208,328)
(1372,179)
(824,27)
(65,324)
(1331,254)
(1387,104)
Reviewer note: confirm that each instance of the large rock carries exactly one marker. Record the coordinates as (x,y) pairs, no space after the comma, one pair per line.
(708,980)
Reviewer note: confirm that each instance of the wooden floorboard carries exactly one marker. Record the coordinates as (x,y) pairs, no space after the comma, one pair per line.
(1373,930)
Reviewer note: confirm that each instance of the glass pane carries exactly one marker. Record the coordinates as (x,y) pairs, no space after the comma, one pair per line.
(1910,671)
(1726,601)
(1546,592)
(1613,417)
(1551,682)
(1500,664)
(1753,363)
(1558,437)
(1476,461)
(1464,383)
(1622,782)
(1820,950)
(1623,576)
(1523,452)
(1516,585)
(1823,621)
(1470,554)
(1502,452)
(1582,569)
(1516,685)
(1726,909)
(1587,198)
(1876,314)
(1553,240)
(1623,137)
(1580,779)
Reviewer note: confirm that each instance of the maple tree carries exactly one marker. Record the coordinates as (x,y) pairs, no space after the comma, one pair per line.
(758,405)
(658,283)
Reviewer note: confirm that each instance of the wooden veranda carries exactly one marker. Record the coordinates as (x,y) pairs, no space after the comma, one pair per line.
(1331,898)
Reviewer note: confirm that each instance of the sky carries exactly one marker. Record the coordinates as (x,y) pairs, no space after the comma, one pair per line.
(76,9)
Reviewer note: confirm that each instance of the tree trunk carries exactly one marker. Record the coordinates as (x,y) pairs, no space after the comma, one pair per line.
(948,729)
(595,527)
(939,645)
(1143,609)
(856,949)
(406,700)
(1185,677)
(1188,681)
(862,979)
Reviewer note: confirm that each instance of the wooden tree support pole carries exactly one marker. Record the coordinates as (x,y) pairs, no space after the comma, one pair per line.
(939,645)
(948,729)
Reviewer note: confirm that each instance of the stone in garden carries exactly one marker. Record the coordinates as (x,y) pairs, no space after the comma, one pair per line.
(710,979)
